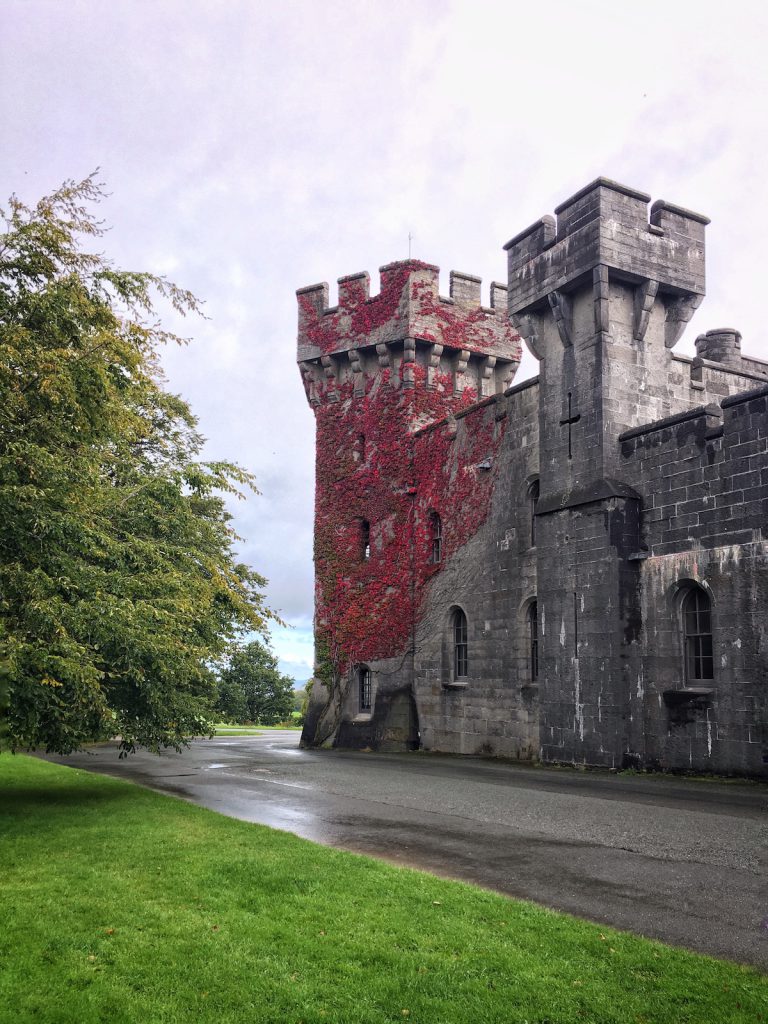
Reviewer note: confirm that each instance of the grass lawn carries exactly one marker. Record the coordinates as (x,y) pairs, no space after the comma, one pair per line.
(223,729)
(238,730)
(122,905)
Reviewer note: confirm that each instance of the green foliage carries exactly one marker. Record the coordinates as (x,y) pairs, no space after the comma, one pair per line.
(251,689)
(118,583)
(306,695)
(159,911)
(325,670)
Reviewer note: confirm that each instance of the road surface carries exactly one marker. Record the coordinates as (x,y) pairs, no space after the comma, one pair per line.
(678,860)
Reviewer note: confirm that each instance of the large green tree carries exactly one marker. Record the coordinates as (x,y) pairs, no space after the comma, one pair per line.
(119,587)
(252,689)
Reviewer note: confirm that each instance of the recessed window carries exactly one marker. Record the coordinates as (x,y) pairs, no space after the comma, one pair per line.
(460,658)
(365,539)
(697,636)
(359,449)
(364,683)
(533,640)
(435,538)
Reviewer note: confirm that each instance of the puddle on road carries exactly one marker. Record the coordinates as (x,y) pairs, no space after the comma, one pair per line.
(304,824)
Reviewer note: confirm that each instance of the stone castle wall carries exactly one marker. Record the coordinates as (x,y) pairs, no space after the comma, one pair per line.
(703,477)
(597,495)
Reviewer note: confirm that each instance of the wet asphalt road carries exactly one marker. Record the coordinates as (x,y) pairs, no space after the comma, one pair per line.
(676,860)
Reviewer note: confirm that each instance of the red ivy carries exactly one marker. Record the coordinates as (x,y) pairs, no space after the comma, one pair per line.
(366,608)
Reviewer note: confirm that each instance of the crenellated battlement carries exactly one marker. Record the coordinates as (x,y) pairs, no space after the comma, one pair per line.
(407,325)
(408,305)
(608,225)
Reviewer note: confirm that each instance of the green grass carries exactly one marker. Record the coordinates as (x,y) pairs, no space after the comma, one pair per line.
(122,905)
(222,729)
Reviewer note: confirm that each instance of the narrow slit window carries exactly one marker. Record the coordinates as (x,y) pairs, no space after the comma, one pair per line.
(460,652)
(533,498)
(533,640)
(575,625)
(365,539)
(360,448)
(365,689)
(697,627)
(435,538)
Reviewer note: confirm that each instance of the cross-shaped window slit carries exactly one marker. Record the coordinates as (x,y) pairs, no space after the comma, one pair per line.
(570,420)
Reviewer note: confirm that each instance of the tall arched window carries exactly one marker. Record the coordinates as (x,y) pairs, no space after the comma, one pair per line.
(435,538)
(533,639)
(364,682)
(697,636)
(460,660)
(533,500)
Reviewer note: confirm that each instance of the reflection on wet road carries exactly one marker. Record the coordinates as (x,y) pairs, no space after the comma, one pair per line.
(677,860)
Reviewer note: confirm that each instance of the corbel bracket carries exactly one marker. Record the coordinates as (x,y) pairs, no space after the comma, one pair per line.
(680,309)
(330,375)
(358,379)
(561,307)
(461,368)
(645,296)
(435,351)
(527,326)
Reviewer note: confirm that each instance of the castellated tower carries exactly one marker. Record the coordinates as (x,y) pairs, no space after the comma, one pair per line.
(376,369)
(600,296)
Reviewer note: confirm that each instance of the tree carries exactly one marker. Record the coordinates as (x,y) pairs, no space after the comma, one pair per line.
(119,587)
(252,689)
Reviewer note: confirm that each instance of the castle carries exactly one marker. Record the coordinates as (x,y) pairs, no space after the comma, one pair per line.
(573,569)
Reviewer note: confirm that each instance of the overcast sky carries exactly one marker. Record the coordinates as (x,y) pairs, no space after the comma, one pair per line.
(255,146)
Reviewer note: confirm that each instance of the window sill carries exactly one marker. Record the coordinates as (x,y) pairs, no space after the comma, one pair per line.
(688,693)
(364,716)
(460,684)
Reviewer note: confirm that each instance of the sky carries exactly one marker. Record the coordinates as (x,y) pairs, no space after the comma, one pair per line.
(251,147)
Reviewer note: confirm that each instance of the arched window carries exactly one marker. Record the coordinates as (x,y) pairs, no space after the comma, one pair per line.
(435,538)
(697,636)
(364,683)
(533,640)
(460,660)
(533,501)
(365,539)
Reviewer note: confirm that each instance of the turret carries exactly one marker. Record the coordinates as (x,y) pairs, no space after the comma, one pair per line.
(375,369)
(722,345)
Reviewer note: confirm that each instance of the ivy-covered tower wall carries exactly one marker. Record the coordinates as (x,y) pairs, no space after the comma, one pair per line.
(376,370)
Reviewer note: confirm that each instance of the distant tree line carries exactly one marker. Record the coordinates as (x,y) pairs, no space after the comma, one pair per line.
(252,689)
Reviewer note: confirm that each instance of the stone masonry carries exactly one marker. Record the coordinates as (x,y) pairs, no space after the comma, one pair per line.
(573,569)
